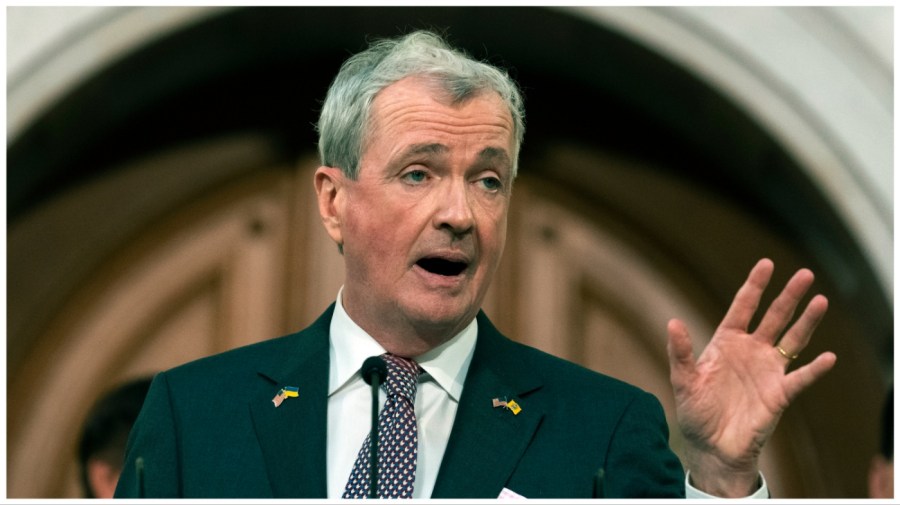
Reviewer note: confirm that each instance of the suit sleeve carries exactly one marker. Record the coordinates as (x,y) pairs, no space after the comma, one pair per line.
(640,463)
(154,439)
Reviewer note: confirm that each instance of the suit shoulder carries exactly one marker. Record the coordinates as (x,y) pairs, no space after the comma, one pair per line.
(567,376)
(244,357)
(266,354)
(555,372)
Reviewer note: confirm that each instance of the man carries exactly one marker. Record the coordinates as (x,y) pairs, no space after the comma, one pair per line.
(881,469)
(419,148)
(101,448)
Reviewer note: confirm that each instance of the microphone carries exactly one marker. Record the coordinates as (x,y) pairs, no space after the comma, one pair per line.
(373,372)
(600,483)
(373,365)
(139,471)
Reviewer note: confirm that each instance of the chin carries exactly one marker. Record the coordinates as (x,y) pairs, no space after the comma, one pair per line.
(442,314)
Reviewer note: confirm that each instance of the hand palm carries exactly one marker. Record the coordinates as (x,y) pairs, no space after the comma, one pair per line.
(735,398)
(730,399)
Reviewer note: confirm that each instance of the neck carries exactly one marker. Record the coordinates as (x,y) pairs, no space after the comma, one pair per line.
(411,340)
(403,337)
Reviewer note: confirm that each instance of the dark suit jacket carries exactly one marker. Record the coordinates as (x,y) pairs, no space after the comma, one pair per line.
(209,428)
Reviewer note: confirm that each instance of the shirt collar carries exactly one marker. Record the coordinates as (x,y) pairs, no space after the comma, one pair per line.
(350,345)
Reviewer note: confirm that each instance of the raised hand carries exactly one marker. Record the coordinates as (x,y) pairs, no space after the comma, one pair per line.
(730,399)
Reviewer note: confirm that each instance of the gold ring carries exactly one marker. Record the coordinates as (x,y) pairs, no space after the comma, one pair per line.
(784,353)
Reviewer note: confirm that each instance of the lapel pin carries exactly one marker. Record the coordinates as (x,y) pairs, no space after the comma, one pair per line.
(510,405)
(285,392)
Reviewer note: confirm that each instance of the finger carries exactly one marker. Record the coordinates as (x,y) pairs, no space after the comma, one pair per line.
(782,308)
(797,337)
(746,301)
(800,379)
(681,354)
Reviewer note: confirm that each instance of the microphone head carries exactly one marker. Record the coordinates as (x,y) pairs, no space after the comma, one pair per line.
(373,365)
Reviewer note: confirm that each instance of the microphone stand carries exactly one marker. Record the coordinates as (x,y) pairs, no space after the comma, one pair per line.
(373,438)
(139,471)
(374,371)
(600,484)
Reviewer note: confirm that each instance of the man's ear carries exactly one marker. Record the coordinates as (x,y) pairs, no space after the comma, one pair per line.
(329,182)
(102,477)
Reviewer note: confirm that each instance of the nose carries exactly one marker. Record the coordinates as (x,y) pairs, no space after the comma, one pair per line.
(454,212)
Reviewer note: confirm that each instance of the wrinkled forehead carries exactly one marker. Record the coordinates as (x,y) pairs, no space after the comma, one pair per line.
(439,90)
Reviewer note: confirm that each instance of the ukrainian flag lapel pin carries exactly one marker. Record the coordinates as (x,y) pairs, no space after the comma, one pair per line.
(284,393)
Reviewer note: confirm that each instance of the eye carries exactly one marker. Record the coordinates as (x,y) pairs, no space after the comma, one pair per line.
(491,183)
(415,176)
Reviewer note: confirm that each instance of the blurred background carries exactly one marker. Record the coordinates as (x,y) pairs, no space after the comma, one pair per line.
(160,201)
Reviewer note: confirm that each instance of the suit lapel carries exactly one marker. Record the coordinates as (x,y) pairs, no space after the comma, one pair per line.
(486,441)
(292,436)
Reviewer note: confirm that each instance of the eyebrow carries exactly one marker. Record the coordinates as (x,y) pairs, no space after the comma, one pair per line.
(418,149)
(495,154)
(488,154)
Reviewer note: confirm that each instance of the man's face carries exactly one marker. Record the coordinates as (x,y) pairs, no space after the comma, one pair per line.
(424,224)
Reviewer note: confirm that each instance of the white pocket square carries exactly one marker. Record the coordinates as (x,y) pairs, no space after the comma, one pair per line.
(508,494)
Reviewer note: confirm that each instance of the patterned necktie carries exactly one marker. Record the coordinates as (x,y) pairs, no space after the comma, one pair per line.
(397,436)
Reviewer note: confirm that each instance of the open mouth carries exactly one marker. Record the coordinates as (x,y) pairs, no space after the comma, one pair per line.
(442,266)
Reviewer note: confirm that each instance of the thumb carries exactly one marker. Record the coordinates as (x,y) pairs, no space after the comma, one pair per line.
(681,353)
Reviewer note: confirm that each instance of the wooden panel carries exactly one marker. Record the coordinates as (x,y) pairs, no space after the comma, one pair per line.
(208,279)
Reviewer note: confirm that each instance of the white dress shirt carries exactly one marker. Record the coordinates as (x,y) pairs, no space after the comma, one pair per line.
(349,403)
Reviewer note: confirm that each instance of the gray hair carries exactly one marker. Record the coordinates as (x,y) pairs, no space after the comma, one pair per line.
(344,120)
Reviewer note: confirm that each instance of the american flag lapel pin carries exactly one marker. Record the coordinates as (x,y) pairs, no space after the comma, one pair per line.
(279,397)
